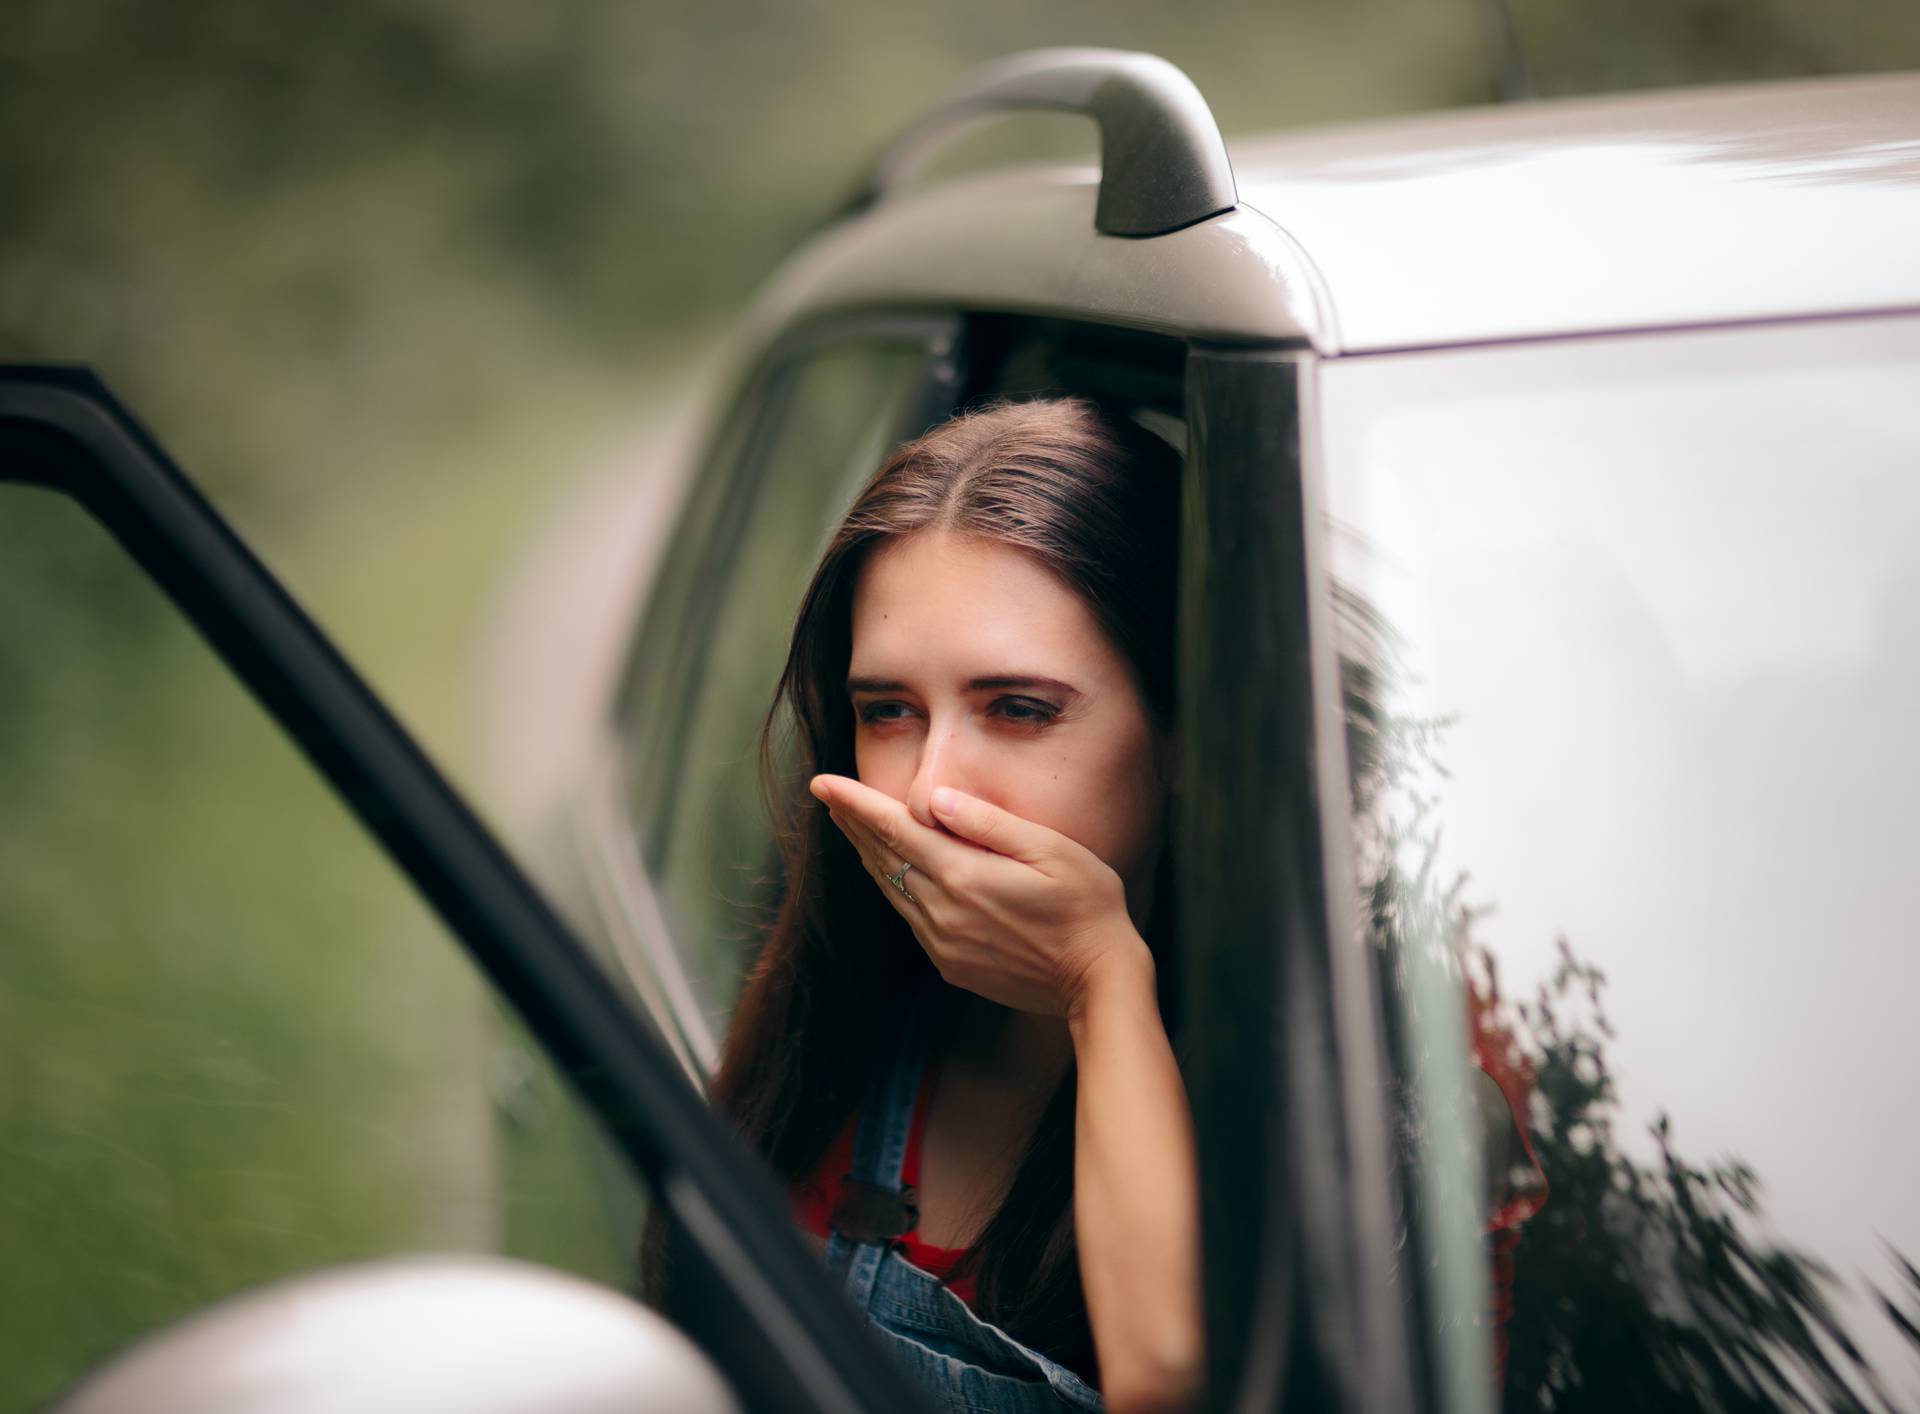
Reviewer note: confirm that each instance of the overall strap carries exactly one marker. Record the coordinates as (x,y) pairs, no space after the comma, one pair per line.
(875,1208)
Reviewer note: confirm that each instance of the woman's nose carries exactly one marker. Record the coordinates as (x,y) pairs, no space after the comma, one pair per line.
(940,764)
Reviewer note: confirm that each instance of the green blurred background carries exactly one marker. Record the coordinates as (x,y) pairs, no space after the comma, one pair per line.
(396,280)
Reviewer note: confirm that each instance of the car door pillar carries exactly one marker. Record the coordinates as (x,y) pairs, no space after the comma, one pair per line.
(1286,1058)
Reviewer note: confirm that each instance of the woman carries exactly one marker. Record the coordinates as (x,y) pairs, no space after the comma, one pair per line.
(952,1045)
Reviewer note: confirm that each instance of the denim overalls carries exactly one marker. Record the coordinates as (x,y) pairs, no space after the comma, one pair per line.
(965,1365)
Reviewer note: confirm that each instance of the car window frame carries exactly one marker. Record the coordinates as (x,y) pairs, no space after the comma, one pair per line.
(1322,1213)
(974,355)
(617,812)
(1285,1023)
(705,538)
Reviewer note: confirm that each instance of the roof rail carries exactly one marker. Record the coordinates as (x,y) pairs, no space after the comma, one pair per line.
(1163,162)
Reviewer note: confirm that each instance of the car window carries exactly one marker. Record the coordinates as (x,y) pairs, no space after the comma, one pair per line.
(234,1046)
(1631,632)
(821,423)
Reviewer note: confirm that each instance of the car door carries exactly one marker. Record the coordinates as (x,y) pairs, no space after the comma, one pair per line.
(1628,630)
(184,1196)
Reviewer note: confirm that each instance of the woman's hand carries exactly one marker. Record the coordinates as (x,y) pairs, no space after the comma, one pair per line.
(1006,908)
(1031,919)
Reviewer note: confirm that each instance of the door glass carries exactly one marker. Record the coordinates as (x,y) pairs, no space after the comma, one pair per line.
(234,1046)
(829,419)
(1631,632)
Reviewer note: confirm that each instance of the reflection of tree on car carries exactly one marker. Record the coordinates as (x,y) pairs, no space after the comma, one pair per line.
(1417,931)
(1638,1286)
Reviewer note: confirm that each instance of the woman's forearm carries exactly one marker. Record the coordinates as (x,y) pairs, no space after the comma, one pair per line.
(1136,1193)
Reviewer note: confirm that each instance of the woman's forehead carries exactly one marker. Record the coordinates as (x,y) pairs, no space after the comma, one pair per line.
(970,608)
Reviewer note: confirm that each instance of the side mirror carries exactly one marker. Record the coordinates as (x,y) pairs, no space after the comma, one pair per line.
(431,1335)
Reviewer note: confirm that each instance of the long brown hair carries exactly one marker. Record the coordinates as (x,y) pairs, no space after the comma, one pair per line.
(1093,497)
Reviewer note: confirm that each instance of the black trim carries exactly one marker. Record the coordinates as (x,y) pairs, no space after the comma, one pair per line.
(1284,1043)
(1025,356)
(770,1318)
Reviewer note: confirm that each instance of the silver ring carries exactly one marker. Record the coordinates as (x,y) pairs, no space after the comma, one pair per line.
(899,881)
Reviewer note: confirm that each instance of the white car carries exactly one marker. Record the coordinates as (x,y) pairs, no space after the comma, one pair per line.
(1554,496)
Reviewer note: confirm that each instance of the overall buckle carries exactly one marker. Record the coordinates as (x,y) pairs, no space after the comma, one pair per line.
(867,1212)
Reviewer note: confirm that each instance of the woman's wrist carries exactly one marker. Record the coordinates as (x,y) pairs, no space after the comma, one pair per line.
(1122,977)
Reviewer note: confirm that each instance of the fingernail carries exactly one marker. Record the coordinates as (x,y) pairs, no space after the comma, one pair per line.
(819,791)
(946,800)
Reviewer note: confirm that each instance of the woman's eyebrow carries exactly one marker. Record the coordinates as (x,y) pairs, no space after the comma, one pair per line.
(999,682)
(1019,680)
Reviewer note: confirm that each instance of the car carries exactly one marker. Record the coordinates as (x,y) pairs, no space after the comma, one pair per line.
(1549,475)
(1547,643)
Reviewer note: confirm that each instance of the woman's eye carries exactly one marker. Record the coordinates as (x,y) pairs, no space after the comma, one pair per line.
(883,711)
(1025,710)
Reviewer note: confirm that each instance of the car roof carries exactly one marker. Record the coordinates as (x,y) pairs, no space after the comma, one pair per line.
(1692,207)
(1697,206)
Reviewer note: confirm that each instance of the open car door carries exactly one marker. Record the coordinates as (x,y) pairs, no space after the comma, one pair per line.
(757,1302)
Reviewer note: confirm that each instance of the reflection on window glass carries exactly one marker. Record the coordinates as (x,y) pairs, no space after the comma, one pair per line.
(836,421)
(233,1045)
(1635,628)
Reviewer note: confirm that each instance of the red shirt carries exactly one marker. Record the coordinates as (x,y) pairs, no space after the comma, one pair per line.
(814,1198)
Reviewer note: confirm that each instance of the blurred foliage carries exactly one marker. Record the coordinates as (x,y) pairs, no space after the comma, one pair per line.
(211,1072)
(308,241)
(1629,44)
(233,1045)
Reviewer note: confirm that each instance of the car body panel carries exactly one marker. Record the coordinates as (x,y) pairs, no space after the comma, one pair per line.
(1744,203)
(1568,217)
(1023,241)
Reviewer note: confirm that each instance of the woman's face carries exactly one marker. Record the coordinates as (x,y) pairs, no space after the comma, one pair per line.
(973,667)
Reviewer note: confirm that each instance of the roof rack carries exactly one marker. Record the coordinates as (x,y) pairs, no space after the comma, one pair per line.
(1163,162)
